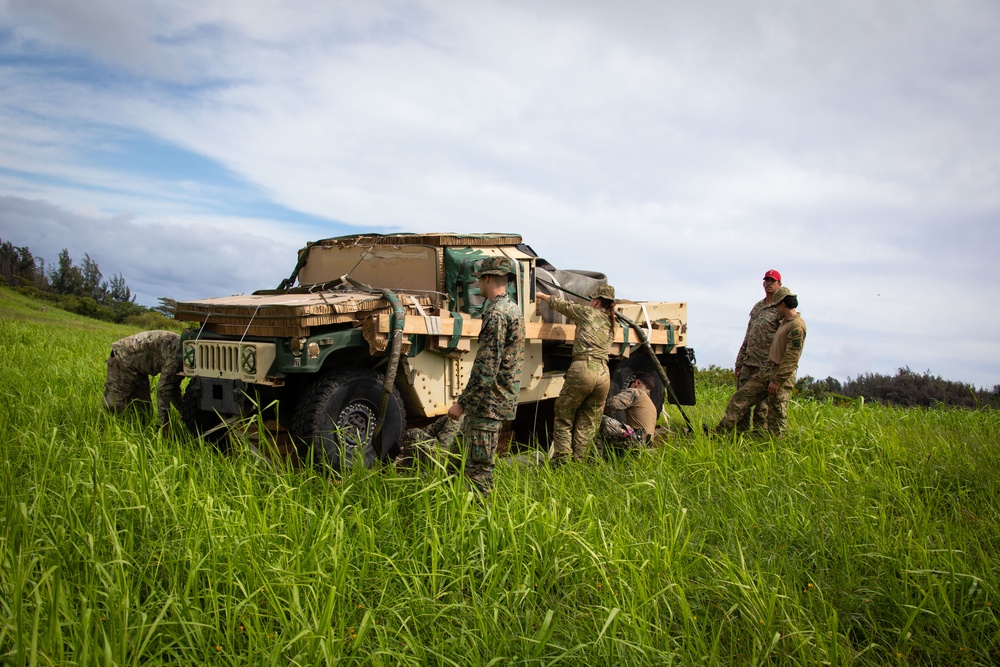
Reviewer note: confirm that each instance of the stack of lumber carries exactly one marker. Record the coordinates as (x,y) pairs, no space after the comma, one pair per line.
(286,315)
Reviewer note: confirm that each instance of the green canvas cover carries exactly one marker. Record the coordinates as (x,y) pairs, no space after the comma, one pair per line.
(461,284)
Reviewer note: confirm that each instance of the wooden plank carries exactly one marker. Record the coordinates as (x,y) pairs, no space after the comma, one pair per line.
(444,326)
(284,306)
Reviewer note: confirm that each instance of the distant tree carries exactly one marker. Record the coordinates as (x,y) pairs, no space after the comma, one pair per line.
(167,306)
(118,291)
(715,376)
(66,278)
(809,387)
(19,267)
(92,285)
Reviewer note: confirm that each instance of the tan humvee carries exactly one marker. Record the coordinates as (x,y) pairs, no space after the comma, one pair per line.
(318,351)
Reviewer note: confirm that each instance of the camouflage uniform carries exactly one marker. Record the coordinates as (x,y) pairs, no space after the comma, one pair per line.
(133,360)
(435,442)
(763,324)
(640,420)
(587,382)
(780,367)
(490,396)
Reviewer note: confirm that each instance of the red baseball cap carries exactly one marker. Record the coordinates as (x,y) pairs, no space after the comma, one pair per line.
(773,274)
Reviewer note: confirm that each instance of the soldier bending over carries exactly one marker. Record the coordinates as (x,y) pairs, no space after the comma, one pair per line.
(133,360)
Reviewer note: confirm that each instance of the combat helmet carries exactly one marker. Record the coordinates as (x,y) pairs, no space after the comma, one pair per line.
(496,266)
(604,292)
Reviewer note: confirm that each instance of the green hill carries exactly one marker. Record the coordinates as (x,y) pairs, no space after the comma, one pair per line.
(868,536)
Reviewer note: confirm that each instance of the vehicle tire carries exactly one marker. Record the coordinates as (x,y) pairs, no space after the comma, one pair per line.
(624,373)
(338,415)
(200,421)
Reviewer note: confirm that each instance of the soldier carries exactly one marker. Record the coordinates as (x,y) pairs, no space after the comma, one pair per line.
(490,396)
(133,360)
(433,443)
(640,416)
(763,324)
(587,382)
(777,378)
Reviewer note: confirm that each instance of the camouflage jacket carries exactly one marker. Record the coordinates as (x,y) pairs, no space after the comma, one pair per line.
(594,331)
(763,324)
(495,378)
(786,351)
(640,412)
(151,353)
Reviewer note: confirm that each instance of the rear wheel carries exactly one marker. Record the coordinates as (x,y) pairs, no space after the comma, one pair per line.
(340,418)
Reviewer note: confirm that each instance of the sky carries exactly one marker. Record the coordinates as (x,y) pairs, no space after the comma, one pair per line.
(682,147)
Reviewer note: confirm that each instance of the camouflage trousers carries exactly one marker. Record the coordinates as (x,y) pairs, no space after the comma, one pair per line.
(434,443)
(752,393)
(758,411)
(480,438)
(579,407)
(124,387)
(616,436)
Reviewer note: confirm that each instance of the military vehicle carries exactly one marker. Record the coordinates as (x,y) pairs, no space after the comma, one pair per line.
(372,333)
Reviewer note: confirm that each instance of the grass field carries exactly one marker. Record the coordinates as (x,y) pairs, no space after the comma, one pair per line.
(869,536)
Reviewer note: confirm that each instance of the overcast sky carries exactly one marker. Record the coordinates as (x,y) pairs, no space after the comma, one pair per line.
(681,147)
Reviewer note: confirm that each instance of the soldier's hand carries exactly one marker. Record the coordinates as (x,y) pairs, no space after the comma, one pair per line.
(455,411)
(773,389)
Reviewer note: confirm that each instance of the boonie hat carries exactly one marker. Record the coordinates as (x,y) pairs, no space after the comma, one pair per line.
(604,292)
(780,294)
(773,274)
(496,266)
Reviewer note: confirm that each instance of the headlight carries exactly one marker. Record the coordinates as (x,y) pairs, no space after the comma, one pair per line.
(312,349)
(189,355)
(248,360)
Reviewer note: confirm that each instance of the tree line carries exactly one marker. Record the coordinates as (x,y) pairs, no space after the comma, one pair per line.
(79,289)
(905,389)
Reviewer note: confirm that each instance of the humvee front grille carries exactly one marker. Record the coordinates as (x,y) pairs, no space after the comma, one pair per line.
(226,360)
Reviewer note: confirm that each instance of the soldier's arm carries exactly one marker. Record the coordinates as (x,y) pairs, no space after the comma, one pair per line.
(568,308)
(790,359)
(623,400)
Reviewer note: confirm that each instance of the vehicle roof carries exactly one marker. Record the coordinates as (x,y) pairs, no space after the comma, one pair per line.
(425,238)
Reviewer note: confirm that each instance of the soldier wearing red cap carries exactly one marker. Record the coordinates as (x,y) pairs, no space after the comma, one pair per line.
(775,381)
(763,324)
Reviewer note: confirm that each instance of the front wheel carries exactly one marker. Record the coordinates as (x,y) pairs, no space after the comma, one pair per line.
(340,418)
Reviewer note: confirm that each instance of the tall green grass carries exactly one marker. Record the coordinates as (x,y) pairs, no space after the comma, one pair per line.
(868,536)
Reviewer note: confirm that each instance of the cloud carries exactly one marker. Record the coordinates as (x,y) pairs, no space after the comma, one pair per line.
(180,259)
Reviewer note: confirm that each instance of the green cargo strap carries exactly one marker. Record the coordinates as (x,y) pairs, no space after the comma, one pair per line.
(456,331)
(624,347)
(670,334)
